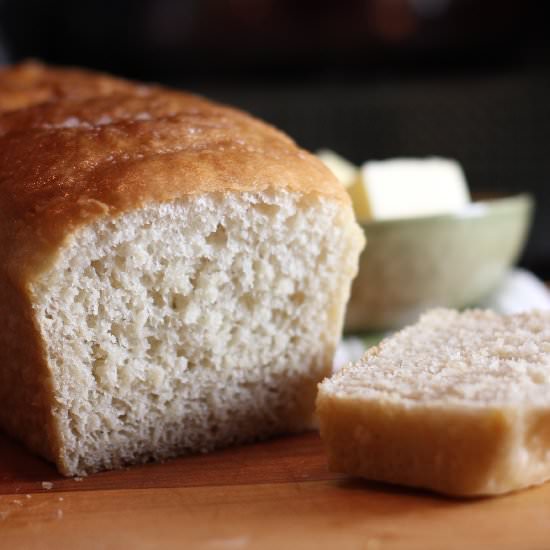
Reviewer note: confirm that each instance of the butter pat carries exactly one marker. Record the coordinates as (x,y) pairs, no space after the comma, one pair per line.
(400,188)
(405,188)
(343,169)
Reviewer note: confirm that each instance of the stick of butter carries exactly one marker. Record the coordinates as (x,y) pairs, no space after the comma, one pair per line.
(404,188)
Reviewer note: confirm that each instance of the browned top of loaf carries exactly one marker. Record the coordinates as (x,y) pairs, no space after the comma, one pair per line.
(75,145)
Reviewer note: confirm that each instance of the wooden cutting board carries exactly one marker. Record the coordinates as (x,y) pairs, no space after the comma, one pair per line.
(277,494)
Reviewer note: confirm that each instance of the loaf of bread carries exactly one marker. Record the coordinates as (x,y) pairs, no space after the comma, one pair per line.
(459,403)
(173,272)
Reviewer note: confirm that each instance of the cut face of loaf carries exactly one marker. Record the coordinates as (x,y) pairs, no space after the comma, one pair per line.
(190,325)
(459,403)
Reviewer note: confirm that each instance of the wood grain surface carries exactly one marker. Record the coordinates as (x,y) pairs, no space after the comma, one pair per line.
(278,494)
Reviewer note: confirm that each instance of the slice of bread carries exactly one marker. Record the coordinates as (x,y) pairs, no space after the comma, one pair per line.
(173,273)
(458,403)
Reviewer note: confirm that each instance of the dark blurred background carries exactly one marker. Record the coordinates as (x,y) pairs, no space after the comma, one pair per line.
(371,79)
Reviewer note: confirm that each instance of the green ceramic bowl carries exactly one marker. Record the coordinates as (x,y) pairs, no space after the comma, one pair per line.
(451,260)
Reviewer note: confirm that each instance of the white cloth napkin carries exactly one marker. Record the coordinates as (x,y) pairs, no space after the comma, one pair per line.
(520,291)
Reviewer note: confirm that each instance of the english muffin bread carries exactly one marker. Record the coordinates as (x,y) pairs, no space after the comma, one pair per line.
(458,403)
(173,272)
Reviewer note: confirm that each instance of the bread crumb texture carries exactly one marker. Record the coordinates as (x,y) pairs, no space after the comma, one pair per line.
(189,325)
(459,403)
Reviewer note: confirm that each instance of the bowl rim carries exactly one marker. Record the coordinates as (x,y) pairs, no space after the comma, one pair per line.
(475,209)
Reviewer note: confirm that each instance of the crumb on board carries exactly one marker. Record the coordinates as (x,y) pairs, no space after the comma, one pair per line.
(47,485)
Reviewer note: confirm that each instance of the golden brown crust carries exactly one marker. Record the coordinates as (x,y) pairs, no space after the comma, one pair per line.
(75,145)
(32,83)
